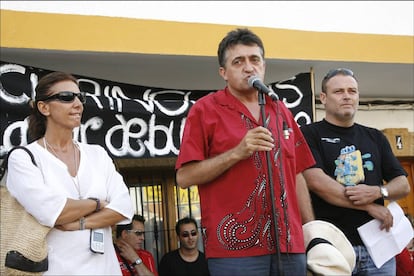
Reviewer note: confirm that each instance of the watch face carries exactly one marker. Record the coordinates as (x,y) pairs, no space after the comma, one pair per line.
(384,192)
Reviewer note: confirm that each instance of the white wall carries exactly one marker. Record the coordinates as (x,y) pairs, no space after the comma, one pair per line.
(381,119)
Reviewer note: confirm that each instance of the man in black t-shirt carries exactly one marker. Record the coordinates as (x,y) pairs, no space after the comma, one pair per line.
(186,260)
(352,162)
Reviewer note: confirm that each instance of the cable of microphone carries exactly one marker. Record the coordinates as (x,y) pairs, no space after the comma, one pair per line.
(254,81)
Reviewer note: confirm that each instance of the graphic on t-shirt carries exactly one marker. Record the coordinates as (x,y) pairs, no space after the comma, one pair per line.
(349,168)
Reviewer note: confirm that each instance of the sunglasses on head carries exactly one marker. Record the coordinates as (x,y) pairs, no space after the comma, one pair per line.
(332,73)
(342,71)
(186,234)
(137,232)
(66,96)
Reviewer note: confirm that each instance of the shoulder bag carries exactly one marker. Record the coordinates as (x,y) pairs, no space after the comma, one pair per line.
(23,239)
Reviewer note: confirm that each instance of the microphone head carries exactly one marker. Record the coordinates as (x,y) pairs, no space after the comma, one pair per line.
(252,80)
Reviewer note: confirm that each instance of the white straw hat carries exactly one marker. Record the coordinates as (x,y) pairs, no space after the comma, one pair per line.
(328,251)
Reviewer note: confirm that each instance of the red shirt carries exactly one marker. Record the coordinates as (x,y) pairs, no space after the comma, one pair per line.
(405,263)
(147,260)
(236,211)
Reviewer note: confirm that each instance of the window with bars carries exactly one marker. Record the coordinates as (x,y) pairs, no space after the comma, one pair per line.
(162,205)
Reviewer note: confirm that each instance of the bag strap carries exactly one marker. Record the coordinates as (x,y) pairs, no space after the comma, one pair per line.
(3,166)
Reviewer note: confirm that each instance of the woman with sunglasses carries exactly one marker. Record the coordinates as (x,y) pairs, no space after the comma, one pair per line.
(74,189)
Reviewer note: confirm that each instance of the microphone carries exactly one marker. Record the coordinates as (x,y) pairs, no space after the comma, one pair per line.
(254,81)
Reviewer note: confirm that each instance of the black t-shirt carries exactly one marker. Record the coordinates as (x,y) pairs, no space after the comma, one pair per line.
(330,144)
(173,265)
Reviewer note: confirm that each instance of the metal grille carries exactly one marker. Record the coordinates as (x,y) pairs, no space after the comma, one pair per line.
(147,199)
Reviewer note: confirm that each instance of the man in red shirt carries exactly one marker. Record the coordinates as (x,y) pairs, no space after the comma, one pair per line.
(133,259)
(224,147)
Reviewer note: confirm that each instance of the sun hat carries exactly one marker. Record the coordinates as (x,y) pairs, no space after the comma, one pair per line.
(328,251)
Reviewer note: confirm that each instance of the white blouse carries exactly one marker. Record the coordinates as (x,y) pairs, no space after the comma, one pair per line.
(43,191)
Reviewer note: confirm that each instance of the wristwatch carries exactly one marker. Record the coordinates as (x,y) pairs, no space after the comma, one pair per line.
(138,261)
(98,203)
(384,192)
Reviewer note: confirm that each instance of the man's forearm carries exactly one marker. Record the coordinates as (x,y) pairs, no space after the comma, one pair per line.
(328,189)
(201,172)
(303,198)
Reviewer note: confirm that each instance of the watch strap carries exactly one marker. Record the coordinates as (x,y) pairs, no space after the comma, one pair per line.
(98,203)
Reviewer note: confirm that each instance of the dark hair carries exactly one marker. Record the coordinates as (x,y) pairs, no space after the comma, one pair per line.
(122,227)
(37,121)
(238,36)
(182,221)
(334,72)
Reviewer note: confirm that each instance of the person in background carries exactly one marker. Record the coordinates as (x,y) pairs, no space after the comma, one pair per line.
(352,163)
(405,260)
(74,188)
(223,151)
(187,260)
(133,259)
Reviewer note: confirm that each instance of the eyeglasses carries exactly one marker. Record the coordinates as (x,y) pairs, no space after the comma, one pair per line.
(66,96)
(334,72)
(186,234)
(137,232)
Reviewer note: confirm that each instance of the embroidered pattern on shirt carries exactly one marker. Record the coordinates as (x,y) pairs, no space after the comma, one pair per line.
(283,195)
(250,226)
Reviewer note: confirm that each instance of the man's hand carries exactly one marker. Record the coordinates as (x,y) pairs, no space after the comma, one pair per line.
(127,251)
(362,194)
(256,139)
(382,214)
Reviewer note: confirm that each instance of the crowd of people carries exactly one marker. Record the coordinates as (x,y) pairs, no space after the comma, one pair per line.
(257,187)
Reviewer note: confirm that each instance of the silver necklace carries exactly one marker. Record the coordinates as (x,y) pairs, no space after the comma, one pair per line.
(74,179)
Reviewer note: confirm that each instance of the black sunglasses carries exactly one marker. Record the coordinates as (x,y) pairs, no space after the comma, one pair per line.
(342,71)
(186,234)
(66,96)
(137,232)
